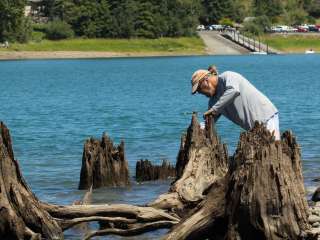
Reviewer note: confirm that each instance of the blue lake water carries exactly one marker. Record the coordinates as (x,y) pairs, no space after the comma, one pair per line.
(53,106)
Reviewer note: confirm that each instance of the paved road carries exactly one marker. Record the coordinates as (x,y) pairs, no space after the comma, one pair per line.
(218,45)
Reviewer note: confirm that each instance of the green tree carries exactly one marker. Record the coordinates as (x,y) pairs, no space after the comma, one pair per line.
(226,22)
(128,18)
(239,10)
(313,8)
(124,16)
(14,26)
(103,20)
(270,8)
(215,10)
(294,12)
(145,21)
(257,26)
(48,8)
(58,29)
(183,17)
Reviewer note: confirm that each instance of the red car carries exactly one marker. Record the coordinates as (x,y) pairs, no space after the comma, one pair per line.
(301,29)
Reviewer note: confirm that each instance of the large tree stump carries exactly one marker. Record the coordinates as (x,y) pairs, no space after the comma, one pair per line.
(202,160)
(262,196)
(21,215)
(103,164)
(266,198)
(146,171)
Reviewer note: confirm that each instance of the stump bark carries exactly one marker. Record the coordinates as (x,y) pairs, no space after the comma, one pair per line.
(266,198)
(103,164)
(202,160)
(22,217)
(261,197)
(146,171)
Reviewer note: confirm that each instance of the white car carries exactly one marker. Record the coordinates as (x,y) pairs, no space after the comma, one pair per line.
(200,28)
(217,27)
(280,28)
(276,29)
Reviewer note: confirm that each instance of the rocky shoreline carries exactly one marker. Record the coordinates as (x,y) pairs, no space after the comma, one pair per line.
(314,218)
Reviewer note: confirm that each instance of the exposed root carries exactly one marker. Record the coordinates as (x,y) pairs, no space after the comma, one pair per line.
(135,229)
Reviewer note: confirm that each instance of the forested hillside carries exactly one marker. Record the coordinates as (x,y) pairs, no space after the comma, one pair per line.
(145,18)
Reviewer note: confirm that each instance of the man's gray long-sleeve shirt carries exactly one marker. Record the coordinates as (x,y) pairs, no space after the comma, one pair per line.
(239,101)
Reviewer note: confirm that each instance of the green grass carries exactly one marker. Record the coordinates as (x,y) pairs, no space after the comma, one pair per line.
(293,43)
(161,45)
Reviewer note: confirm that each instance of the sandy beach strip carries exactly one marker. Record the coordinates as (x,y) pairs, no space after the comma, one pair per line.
(16,55)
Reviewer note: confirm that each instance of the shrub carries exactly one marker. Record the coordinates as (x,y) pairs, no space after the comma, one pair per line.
(257,26)
(57,30)
(226,22)
(24,31)
(37,36)
(252,28)
(39,27)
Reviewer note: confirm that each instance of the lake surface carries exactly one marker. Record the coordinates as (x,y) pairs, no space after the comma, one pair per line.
(53,106)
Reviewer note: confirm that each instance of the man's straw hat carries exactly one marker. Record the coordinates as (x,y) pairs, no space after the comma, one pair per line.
(197,76)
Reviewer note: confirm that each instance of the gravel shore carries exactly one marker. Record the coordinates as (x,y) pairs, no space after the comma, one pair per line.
(14,55)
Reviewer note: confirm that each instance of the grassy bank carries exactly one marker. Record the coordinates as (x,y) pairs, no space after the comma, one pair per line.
(190,45)
(293,43)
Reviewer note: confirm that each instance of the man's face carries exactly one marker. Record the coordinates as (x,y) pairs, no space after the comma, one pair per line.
(206,86)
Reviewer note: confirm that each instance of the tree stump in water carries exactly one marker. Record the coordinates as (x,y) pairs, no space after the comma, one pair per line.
(145,171)
(261,197)
(21,216)
(202,160)
(103,164)
(266,198)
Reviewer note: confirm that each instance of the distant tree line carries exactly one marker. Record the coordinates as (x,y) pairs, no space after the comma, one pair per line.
(127,18)
(146,18)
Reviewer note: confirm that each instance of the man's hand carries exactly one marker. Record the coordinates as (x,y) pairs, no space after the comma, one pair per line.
(208,113)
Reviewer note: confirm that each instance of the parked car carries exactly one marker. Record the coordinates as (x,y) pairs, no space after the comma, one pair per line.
(302,29)
(304,26)
(276,29)
(292,29)
(200,28)
(313,28)
(217,27)
(209,28)
(280,29)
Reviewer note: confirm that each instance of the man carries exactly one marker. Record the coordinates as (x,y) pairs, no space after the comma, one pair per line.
(233,96)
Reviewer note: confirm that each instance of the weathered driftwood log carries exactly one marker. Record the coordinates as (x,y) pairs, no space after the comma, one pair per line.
(86,200)
(263,196)
(121,219)
(103,164)
(21,216)
(202,160)
(146,171)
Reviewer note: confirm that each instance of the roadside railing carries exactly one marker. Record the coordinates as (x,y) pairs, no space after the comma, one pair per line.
(252,44)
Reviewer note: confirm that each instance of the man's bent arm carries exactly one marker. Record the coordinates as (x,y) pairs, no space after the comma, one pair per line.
(228,96)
